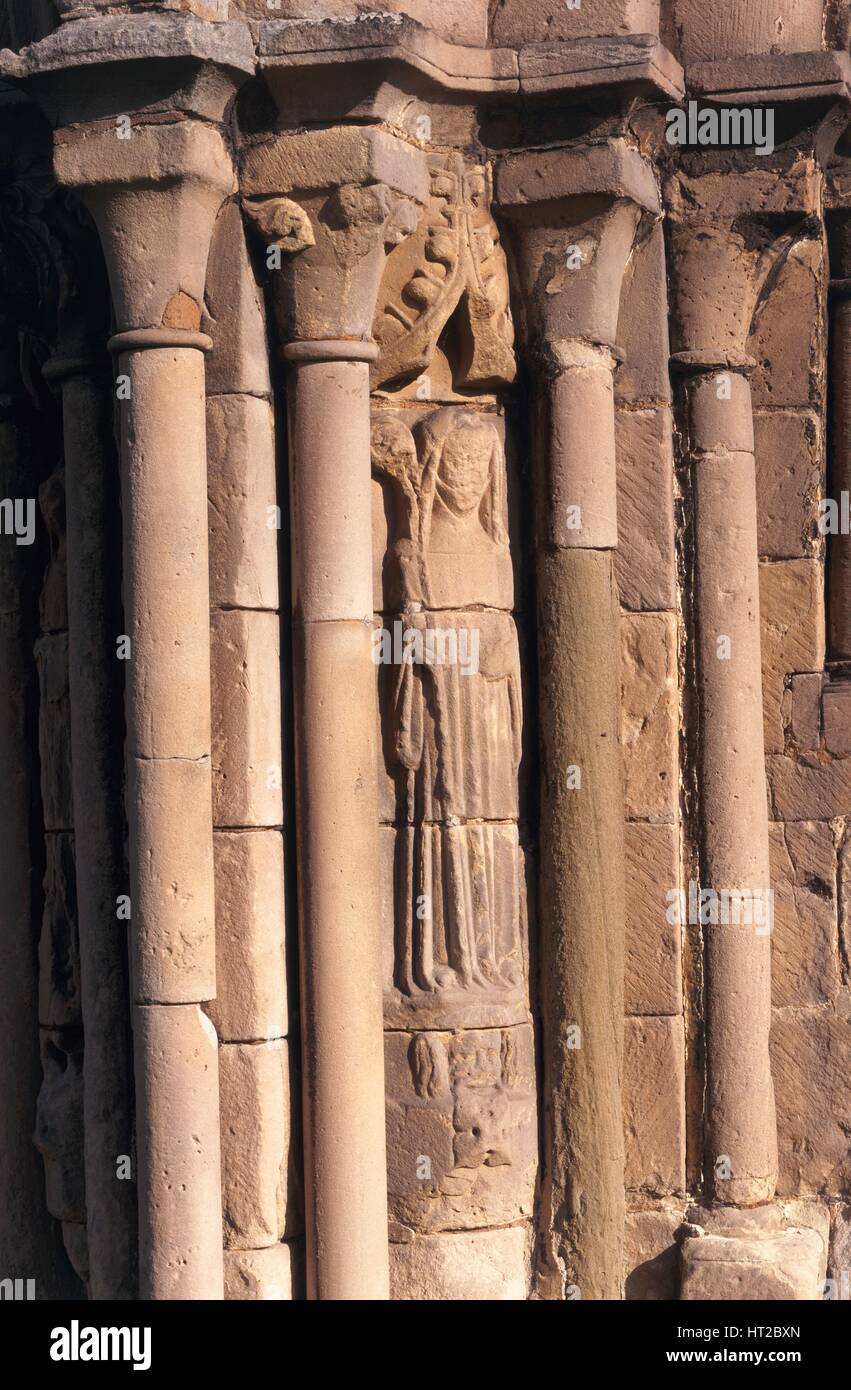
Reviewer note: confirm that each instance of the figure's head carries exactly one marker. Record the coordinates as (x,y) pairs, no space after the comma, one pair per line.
(465,463)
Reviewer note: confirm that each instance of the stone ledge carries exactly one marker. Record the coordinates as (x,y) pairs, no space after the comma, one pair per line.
(384,37)
(537,69)
(637,60)
(773,77)
(118,39)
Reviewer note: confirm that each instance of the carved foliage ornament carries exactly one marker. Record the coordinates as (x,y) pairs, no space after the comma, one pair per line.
(339,239)
(362,212)
(452,262)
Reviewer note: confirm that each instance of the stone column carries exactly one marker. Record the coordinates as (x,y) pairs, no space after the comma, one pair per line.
(574,217)
(94,624)
(716,277)
(331,202)
(717,274)
(839,544)
(30,1241)
(154,198)
(742,1130)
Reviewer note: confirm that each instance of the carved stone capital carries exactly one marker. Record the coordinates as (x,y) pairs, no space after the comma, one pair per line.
(334,202)
(154,197)
(721,260)
(574,216)
(100,66)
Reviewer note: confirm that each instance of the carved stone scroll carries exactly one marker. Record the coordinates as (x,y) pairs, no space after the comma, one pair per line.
(452,262)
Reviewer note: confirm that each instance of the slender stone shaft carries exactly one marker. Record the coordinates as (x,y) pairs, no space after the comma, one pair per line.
(336,754)
(334,200)
(718,275)
(839,571)
(574,230)
(582,814)
(740,1100)
(96,735)
(167,175)
(164,503)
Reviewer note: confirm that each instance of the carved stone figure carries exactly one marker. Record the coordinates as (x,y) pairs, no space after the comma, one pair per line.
(453,718)
(461,1127)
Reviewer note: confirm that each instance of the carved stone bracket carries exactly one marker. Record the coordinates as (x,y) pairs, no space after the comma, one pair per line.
(452,263)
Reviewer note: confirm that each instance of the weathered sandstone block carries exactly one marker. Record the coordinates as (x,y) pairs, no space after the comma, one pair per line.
(787,334)
(269,1273)
(836,711)
(808,789)
(762,26)
(254,1092)
(243,500)
(643,377)
(461,21)
(246,695)
(652,1255)
(487,1266)
(805,950)
(812,1119)
(791,601)
(788,476)
(650,715)
(654,1104)
(800,711)
(234,315)
(757,1268)
(645,563)
(653,983)
(840,1246)
(461,1134)
(251,986)
(527,21)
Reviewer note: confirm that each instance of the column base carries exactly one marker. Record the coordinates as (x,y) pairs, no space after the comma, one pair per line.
(760,1253)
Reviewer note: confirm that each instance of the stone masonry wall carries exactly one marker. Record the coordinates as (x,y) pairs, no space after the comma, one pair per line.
(469,494)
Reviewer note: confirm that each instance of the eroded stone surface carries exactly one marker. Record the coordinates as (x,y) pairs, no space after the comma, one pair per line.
(486,1266)
(653,975)
(784,1266)
(650,715)
(254,1090)
(460,1125)
(654,1104)
(792,618)
(812,1119)
(270,1273)
(805,956)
